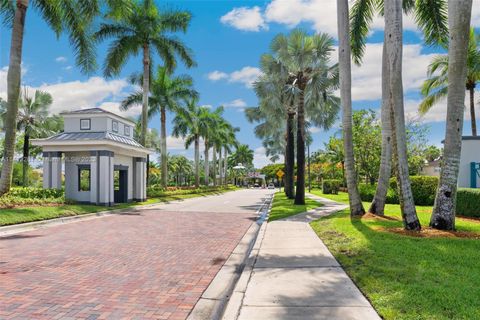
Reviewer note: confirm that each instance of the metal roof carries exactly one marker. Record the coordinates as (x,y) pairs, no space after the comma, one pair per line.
(89,136)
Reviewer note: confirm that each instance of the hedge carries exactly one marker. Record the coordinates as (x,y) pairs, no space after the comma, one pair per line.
(331,186)
(158,191)
(424,189)
(468,202)
(35,193)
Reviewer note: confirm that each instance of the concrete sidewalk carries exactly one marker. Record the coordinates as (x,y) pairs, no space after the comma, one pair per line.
(294,276)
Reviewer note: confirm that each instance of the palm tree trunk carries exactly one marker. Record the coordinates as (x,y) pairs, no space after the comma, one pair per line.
(290,158)
(214,167)
(197,161)
(393,30)
(300,190)
(378,204)
(459,12)
(225,155)
(13,88)
(220,174)
(163,146)
(471,90)
(26,154)
(344,58)
(145,89)
(206,162)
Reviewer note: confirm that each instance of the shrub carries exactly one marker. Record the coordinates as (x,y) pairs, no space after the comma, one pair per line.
(424,189)
(331,186)
(367,191)
(36,193)
(468,202)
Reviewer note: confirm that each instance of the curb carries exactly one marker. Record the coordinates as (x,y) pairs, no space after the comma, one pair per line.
(234,304)
(216,299)
(34,225)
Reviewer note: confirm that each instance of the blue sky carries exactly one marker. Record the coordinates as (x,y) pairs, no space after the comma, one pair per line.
(227,38)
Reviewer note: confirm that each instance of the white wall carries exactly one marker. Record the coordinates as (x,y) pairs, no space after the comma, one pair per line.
(71,176)
(470,153)
(97,124)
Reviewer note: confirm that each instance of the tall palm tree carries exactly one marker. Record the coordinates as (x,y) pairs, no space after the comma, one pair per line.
(166,93)
(224,137)
(148,30)
(306,59)
(435,87)
(344,52)
(459,14)
(276,104)
(32,118)
(211,121)
(431,17)
(189,123)
(69,17)
(394,44)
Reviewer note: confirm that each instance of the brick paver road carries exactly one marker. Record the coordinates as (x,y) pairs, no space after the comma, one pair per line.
(152,264)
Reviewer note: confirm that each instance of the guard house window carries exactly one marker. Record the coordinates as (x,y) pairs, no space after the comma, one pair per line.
(115,126)
(84,124)
(127,130)
(84,178)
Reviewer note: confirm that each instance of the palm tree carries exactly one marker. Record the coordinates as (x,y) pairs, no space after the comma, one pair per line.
(394,44)
(189,123)
(63,17)
(459,13)
(224,137)
(211,121)
(243,154)
(276,104)
(145,29)
(431,18)
(435,87)
(32,118)
(306,59)
(167,93)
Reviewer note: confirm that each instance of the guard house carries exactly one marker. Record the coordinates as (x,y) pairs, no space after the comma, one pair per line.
(469,174)
(103,164)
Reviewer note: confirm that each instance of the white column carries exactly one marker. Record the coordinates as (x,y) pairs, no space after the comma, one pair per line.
(46,170)
(56,170)
(140,174)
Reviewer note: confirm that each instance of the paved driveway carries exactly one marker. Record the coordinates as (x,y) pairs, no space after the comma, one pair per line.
(151,264)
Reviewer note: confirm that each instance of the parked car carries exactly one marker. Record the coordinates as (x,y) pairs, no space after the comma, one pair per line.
(256,185)
(271,186)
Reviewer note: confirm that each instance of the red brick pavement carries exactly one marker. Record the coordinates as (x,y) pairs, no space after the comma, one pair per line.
(152,265)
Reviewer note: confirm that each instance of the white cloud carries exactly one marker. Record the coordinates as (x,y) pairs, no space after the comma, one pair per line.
(67,68)
(367,78)
(217,75)
(174,143)
(237,103)
(247,75)
(260,159)
(61,59)
(244,18)
(133,112)
(314,129)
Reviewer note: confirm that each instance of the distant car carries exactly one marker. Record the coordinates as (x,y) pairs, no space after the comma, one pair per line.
(256,185)
(271,186)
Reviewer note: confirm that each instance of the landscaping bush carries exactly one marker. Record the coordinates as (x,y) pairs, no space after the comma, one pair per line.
(158,191)
(424,189)
(331,186)
(468,202)
(8,201)
(367,191)
(36,193)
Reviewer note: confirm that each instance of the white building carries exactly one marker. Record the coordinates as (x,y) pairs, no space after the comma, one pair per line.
(103,164)
(469,174)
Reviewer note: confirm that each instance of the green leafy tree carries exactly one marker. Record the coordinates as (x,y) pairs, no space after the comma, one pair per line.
(148,30)
(167,92)
(242,154)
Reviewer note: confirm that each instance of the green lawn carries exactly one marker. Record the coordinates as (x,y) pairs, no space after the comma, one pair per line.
(37,213)
(406,277)
(283,207)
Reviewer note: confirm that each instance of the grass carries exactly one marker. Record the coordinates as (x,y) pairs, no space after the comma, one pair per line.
(38,213)
(406,277)
(283,207)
